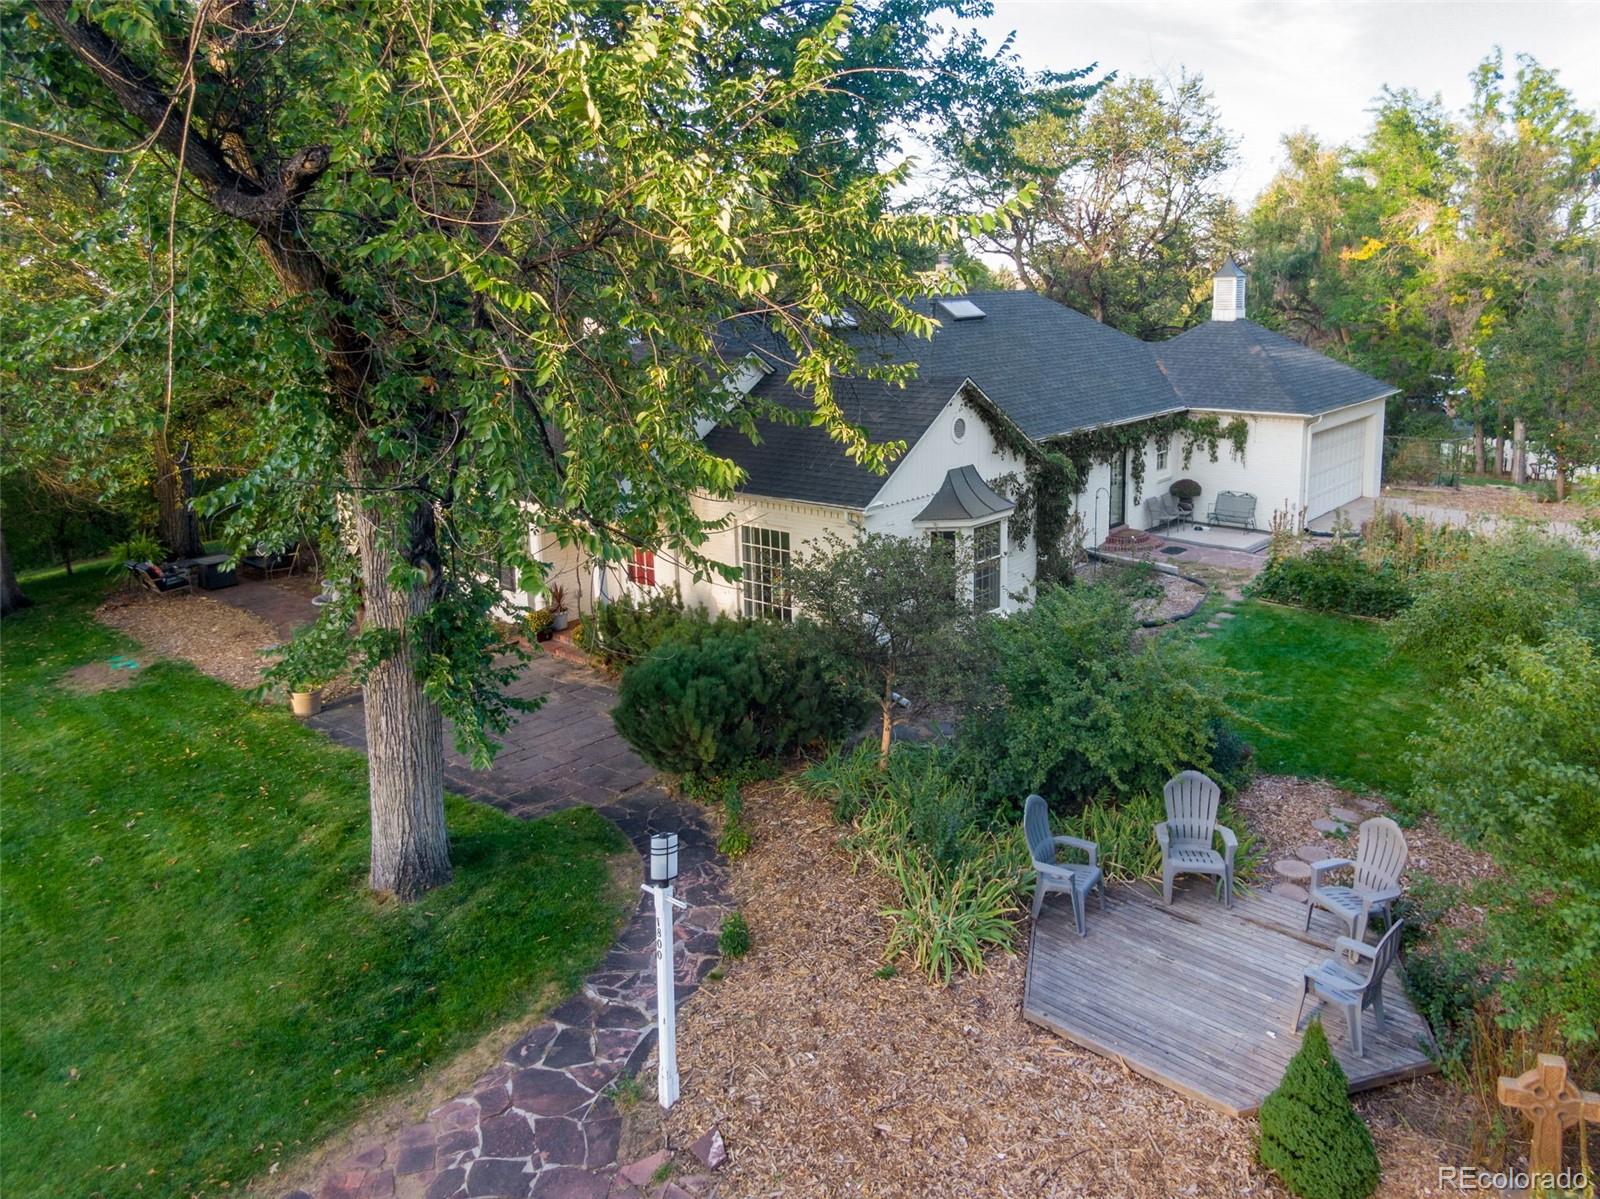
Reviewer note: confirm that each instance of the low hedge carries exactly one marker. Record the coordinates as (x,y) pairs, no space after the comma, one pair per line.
(1334,578)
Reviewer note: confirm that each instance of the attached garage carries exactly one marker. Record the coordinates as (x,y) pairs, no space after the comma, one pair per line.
(1338,465)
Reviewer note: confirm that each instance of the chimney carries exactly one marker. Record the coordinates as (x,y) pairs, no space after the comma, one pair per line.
(1227,292)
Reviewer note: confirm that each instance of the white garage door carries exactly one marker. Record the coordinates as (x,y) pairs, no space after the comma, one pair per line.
(1338,459)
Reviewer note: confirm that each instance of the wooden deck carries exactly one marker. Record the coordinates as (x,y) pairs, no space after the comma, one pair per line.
(1200,998)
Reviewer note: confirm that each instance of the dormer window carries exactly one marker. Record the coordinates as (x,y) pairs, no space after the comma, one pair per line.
(961,310)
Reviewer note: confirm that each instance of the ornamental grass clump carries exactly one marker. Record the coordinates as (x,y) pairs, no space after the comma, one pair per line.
(1311,1136)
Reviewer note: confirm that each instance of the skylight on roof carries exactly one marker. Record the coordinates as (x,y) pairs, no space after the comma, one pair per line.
(843,321)
(962,310)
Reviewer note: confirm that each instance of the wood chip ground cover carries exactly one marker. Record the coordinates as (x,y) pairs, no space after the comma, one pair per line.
(826,1079)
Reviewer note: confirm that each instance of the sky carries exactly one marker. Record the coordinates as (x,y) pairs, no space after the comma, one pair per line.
(1279,65)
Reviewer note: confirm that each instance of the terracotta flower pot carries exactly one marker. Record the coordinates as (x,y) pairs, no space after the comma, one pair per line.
(305,703)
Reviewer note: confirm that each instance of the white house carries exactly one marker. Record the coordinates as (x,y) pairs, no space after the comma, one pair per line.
(1007,371)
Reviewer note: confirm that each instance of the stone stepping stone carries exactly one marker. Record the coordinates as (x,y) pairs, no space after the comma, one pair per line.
(1327,824)
(1290,891)
(1312,853)
(1226,615)
(1345,814)
(1292,869)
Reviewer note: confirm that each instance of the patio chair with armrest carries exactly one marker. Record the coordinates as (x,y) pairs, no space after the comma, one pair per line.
(1187,836)
(1380,857)
(1350,987)
(1236,508)
(1161,510)
(1053,876)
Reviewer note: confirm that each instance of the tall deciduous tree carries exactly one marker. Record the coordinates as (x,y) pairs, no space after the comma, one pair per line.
(1409,254)
(1131,216)
(1545,365)
(501,241)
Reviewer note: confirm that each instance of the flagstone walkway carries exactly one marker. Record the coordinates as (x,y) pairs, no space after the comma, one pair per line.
(541,1123)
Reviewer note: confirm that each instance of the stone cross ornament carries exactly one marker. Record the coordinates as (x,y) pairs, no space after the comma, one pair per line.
(1552,1104)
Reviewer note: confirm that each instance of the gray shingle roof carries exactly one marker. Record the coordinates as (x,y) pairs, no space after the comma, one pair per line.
(1049,369)
(964,496)
(801,462)
(1239,366)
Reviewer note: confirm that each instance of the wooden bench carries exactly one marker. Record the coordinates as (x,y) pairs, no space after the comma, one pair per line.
(1233,508)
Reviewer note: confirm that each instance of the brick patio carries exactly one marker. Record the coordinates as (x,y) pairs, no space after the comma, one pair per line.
(566,753)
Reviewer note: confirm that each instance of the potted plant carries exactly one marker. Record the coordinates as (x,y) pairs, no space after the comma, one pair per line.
(305,698)
(1186,491)
(558,607)
(541,623)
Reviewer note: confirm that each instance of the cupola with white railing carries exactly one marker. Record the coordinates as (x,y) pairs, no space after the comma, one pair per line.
(1227,292)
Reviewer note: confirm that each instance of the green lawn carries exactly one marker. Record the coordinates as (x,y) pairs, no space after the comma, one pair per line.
(196,983)
(1344,707)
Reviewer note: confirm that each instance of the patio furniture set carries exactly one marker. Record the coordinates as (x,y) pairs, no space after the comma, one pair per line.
(1233,508)
(1351,980)
(209,572)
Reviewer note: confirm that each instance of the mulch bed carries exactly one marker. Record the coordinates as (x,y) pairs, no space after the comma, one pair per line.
(1179,597)
(1280,810)
(218,639)
(825,1079)
(221,641)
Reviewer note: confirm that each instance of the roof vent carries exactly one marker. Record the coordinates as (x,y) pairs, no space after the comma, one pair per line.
(961,310)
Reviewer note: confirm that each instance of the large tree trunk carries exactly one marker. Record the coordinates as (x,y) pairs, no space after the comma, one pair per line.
(1499,452)
(11,597)
(1519,450)
(180,531)
(405,729)
(1477,448)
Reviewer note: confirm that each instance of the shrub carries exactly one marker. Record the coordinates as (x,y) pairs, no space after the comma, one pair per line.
(734,939)
(1073,706)
(626,630)
(1334,578)
(737,693)
(1514,587)
(1512,764)
(1311,1136)
(1444,985)
(1185,489)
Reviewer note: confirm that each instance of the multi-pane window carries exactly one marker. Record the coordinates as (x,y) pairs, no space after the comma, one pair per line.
(508,577)
(642,570)
(1163,450)
(986,567)
(764,556)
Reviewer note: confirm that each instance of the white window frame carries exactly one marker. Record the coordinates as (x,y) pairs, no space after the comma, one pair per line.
(763,554)
(1164,452)
(982,566)
(967,532)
